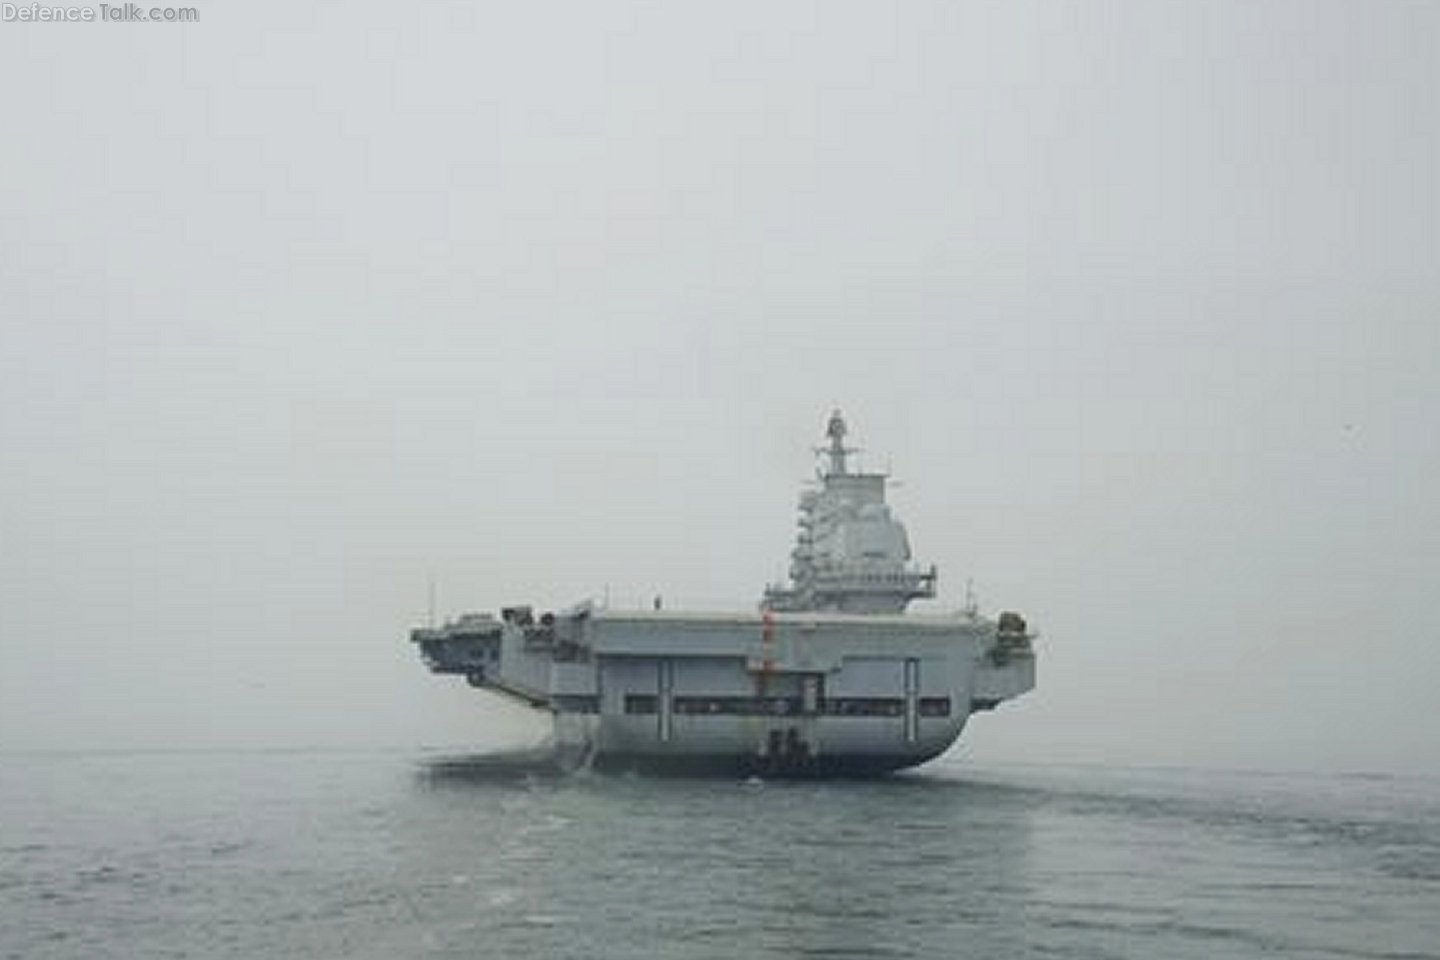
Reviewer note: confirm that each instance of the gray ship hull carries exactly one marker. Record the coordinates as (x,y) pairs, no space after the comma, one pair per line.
(738,765)
(741,694)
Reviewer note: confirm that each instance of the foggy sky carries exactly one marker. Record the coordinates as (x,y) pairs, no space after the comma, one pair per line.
(303,304)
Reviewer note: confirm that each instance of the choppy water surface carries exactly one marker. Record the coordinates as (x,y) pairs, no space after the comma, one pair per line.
(396,855)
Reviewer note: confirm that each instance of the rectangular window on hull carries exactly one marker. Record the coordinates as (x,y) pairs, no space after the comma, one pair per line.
(787,706)
(934,706)
(864,707)
(738,706)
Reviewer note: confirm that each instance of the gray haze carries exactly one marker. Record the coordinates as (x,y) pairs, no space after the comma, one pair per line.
(306,302)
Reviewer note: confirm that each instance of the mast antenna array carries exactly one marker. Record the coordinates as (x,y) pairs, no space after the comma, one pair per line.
(837,451)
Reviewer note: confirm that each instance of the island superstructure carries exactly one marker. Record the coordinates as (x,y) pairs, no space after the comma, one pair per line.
(829,676)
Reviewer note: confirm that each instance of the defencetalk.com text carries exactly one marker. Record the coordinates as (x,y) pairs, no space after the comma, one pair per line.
(107,12)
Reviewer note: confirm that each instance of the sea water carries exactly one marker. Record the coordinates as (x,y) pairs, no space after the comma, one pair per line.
(395,854)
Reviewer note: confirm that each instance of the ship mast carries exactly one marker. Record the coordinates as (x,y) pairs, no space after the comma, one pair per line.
(837,450)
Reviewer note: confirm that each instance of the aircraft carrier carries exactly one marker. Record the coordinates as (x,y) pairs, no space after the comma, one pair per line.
(830,676)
